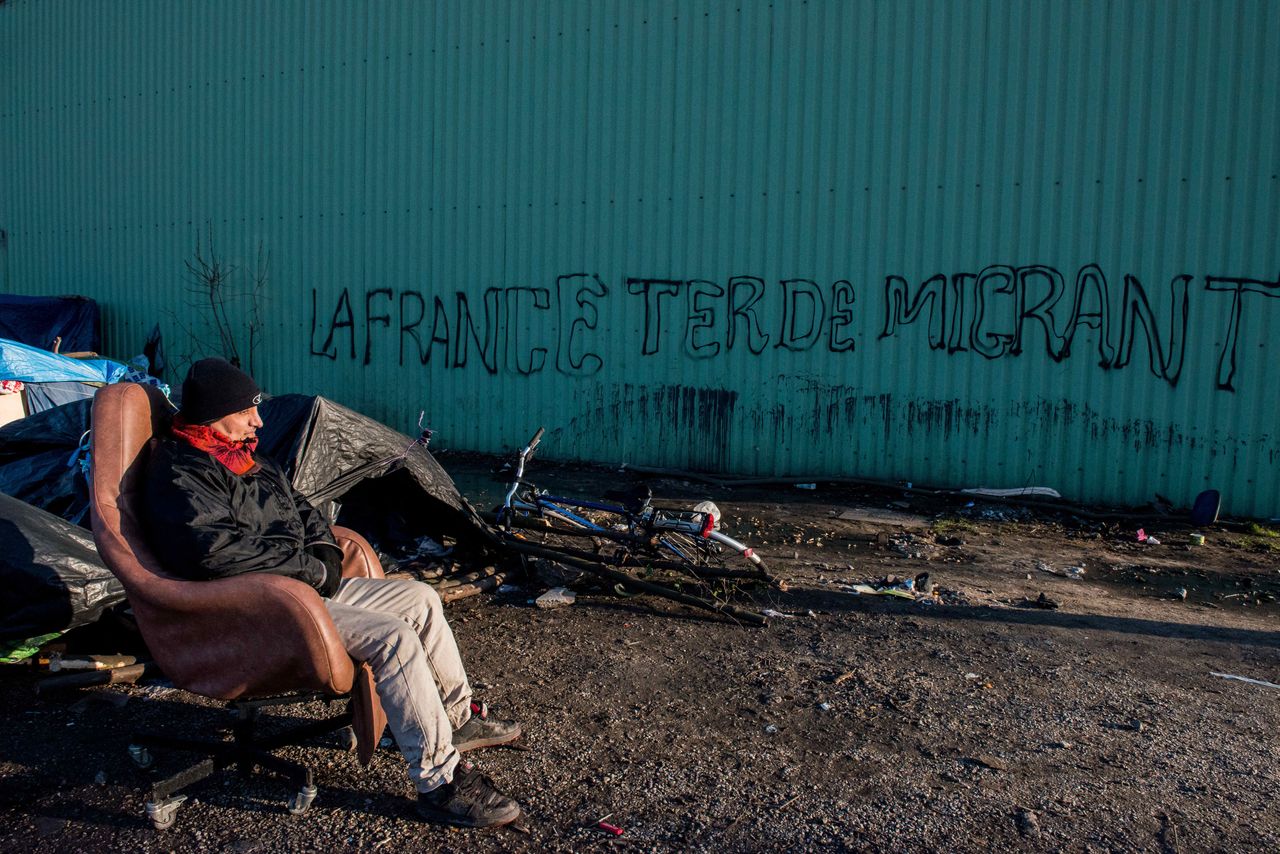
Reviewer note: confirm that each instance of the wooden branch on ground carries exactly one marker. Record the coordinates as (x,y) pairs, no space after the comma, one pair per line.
(636,584)
(466,578)
(462,591)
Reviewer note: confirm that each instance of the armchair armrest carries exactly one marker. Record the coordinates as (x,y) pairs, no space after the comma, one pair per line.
(359,560)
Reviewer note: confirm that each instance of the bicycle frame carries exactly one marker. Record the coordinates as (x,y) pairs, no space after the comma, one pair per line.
(640,524)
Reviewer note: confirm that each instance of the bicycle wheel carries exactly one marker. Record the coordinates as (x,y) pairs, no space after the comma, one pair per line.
(709,555)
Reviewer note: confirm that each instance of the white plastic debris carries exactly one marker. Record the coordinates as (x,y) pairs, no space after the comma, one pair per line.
(770,729)
(769,612)
(424,546)
(556,597)
(711,509)
(1264,684)
(1019,492)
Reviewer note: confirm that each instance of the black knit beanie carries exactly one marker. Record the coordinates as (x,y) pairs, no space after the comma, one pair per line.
(215,388)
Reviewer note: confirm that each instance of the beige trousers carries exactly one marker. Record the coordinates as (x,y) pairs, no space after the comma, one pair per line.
(398,627)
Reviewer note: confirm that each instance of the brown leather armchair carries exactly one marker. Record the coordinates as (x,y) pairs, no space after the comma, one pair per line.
(255,640)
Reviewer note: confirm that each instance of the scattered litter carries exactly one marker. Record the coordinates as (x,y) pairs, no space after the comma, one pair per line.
(13,651)
(611,829)
(385,741)
(1149,539)
(1264,684)
(710,508)
(989,513)
(1197,539)
(1180,594)
(770,729)
(1075,573)
(1021,492)
(826,707)
(1062,745)
(424,546)
(868,590)
(1042,601)
(806,486)
(769,612)
(920,589)
(972,676)
(556,597)
(509,588)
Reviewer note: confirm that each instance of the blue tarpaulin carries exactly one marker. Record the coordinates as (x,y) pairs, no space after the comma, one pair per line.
(32,365)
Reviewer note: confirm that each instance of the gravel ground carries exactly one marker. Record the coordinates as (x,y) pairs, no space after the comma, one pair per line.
(858,723)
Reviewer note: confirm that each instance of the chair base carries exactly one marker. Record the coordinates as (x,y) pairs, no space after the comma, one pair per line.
(246,751)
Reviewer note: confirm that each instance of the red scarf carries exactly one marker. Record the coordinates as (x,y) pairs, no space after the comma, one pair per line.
(235,455)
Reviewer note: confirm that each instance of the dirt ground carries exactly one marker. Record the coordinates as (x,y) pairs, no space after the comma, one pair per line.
(864,723)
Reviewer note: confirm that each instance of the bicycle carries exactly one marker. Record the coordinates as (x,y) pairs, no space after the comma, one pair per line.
(632,534)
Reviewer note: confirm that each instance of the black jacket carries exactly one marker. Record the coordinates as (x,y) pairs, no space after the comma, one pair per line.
(203,521)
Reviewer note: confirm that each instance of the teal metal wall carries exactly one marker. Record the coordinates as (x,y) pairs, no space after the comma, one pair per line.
(965,243)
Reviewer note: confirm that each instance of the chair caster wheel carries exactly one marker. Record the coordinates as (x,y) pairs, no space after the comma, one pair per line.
(164,813)
(301,802)
(141,756)
(347,739)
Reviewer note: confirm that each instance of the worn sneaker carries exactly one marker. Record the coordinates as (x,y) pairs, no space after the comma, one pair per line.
(469,801)
(480,730)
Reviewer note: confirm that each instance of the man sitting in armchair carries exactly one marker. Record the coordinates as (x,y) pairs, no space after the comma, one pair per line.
(214,510)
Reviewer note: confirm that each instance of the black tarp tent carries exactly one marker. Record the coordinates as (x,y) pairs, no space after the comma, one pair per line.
(385,485)
(53,578)
(40,463)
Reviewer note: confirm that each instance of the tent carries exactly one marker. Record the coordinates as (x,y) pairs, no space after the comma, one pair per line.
(52,576)
(40,461)
(376,479)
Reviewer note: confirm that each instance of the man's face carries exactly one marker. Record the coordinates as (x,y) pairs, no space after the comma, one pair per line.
(239,426)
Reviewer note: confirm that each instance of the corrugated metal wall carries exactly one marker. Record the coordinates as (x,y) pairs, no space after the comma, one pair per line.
(967,243)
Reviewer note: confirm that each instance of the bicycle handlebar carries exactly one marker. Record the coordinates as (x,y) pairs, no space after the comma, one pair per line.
(521,458)
(533,444)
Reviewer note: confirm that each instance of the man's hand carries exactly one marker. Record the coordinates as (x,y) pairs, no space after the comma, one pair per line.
(331,556)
